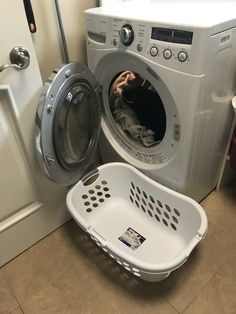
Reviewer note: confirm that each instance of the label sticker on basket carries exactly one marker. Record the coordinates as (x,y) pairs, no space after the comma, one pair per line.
(132,238)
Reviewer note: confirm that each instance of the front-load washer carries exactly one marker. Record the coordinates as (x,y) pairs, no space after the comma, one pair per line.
(186,57)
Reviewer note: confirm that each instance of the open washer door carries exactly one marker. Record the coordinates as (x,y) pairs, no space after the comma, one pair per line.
(68,123)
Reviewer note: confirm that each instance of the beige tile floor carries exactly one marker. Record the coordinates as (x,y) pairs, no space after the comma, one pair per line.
(67,273)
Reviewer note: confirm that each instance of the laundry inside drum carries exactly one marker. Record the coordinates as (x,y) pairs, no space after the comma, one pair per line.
(137,109)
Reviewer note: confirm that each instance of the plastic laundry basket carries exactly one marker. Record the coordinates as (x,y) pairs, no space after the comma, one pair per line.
(147,228)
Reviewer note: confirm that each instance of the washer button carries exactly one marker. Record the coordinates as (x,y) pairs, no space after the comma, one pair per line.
(115,42)
(167,53)
(153,51)
(182,56)
(139,47)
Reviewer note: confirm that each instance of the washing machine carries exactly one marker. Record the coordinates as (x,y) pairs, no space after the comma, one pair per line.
(187,58)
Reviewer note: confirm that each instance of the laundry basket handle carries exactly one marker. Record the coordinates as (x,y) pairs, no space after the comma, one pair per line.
(90,177)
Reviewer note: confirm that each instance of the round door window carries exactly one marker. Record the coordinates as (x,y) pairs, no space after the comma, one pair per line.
(68,123)
(73,125)
(141,120)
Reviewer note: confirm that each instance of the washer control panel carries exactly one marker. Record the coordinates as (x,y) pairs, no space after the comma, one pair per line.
(170,47)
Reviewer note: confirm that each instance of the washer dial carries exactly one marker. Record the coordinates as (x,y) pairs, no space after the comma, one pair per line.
(127,35)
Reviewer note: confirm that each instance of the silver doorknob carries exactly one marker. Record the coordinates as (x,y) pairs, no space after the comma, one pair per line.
(20,59)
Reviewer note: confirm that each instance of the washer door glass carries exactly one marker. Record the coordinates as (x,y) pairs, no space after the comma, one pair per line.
(68,123)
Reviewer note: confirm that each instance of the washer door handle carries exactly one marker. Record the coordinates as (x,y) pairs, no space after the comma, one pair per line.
(20,59)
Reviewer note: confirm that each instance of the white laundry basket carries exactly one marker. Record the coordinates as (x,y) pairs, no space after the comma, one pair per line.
(147,228)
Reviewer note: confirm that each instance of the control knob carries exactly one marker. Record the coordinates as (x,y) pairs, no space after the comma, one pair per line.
(127,35)
(182,56)
(167,54)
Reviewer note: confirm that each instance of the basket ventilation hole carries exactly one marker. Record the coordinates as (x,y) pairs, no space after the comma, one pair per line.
(168,207)
(84,196)
(107,195)
(99,193)
(138,189)
(95,205)
(104,182)
(127,268)
(175,219)
(150,205)
(177,212)
(98,187)
(166,215)
(158,210)
(145,195)
(93,198)
(152,199)
(173,226)
(144,210)
(91,191)
(101,200)
(165,222)
(86,203)
(89,210)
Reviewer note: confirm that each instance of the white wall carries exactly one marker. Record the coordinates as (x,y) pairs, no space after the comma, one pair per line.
(47,38)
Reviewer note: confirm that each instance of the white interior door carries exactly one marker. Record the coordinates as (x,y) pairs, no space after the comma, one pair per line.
(30,205)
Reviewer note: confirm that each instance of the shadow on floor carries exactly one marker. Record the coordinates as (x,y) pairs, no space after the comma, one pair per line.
(118,276)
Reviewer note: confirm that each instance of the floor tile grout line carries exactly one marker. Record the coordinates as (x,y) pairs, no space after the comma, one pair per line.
(204,287)
(172,305)
(12,292)
(51,281)
(15,309)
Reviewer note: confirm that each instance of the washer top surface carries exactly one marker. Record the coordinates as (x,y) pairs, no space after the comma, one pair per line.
(219,15)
